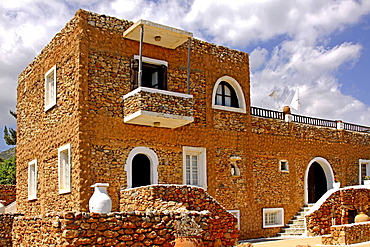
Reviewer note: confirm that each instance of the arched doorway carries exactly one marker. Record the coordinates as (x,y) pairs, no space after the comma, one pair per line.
(140,171)
(141,167)
(317,185)
(319,179)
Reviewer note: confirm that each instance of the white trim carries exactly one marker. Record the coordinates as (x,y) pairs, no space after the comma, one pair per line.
(32,195)
(280,217)
(360,162)
(155,90)
(152,60)
(329,174)
(236,213)
(63,188)
(202,165)
(238,91)
(153,164)
(47,97)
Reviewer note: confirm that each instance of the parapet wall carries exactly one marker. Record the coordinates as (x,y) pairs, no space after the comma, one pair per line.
(183,198)
(8,193)
(151,228)
(348,234)
(335,209)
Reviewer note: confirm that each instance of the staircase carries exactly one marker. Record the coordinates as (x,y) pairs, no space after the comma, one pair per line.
(296,227)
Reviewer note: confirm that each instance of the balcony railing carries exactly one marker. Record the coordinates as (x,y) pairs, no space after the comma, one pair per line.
(158,108)
(265,113)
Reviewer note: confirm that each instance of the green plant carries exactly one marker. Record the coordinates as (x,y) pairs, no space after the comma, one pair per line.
(366,177)
(7,171)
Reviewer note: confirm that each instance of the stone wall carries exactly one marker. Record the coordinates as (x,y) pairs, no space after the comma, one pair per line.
(6,229)
(135,228)
(335,210)
(348,234)
(177,197)
(8,193)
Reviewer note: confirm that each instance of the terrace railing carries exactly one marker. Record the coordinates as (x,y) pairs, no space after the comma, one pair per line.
(265,113)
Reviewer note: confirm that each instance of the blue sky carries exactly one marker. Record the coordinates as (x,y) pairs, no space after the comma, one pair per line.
(319,48)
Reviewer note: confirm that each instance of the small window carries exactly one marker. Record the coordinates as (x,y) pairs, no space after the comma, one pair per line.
(64,169)
(194,161)
(226,96)
(236,213)
(32,180)
(284,165)
(273,217)
(50,88)
(154,73)
(364,170)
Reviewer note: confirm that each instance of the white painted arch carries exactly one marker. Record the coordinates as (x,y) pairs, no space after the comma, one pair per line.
(329,174)
(152,156)
(239,93)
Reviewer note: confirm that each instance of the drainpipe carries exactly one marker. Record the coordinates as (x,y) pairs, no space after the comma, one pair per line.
(188,73)
(141,55)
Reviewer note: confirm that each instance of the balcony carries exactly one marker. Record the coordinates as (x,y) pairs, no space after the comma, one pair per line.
(158,108)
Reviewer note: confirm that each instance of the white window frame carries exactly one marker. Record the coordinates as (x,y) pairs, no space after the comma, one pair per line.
(360,163)
(279,217)
(202,164)
(32,180)
(236,213)
(286,165)
(238,91)
(50,96)
(64,179)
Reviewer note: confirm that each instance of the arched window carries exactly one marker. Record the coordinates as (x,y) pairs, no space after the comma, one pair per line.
(228,95)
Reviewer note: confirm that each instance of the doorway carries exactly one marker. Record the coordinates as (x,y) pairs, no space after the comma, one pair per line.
(319,178)
(140,171)
(317,184)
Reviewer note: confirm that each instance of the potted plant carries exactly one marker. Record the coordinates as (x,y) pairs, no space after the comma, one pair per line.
(188,233)
(366,180)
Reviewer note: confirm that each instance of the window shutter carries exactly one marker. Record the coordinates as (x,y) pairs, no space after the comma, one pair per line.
(134,73)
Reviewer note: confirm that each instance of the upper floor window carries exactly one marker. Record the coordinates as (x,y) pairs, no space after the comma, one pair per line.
(364,169)
(50,88)
(32,180)
(228,95)
(64,169)
(154,74)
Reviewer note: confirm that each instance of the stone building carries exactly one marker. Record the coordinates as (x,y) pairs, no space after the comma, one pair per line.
(99,105)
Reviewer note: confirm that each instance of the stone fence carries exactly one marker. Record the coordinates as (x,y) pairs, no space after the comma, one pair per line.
(8,193)
(135,228)
(348,234)
(336,208)
(224,227)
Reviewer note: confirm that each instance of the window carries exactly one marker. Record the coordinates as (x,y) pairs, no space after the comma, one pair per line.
(50,88)
(273,217)
(64,169)
(32,180)
(284,165)
(194,163)
(154,73)
(236,213)
(228,95)
(364,170)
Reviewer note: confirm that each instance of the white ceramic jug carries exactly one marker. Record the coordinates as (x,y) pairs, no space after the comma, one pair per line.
(100,201)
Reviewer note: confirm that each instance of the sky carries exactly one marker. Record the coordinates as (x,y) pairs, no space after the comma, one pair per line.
(318,50)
